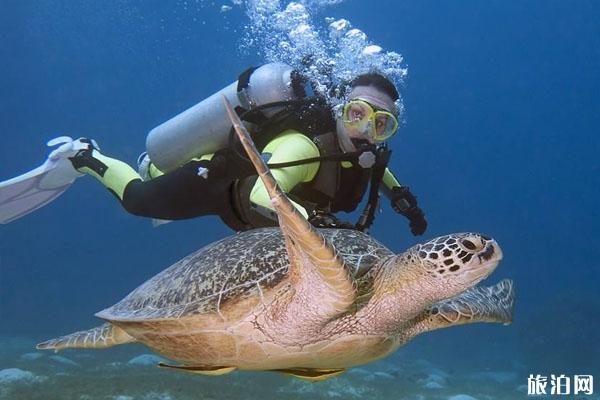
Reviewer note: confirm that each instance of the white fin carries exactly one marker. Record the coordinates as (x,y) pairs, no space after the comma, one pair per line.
(34,189)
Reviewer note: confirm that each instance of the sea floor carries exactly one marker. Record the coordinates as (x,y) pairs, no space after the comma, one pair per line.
(131,373)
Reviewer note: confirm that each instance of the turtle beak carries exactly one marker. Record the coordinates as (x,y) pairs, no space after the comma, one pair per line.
(488,258)
(491,249)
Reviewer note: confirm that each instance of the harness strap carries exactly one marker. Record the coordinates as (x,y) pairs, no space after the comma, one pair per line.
(353,156)
(368,215)
(256,116)
(244,79)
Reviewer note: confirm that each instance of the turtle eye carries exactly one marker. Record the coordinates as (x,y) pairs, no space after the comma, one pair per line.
(472,243)
(468,244)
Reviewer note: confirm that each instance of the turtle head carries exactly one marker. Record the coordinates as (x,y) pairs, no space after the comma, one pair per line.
(457,262)
(434,271)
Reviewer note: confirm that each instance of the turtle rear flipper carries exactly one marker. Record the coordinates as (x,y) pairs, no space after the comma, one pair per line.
(312,374)
(100,337)
(210,370)
(479,304)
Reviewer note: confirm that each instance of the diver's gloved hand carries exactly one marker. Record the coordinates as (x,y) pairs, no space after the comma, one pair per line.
(405,203)
(327,220)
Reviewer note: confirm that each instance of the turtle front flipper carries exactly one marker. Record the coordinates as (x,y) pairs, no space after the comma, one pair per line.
(479,304)
(100,337)
(313,260)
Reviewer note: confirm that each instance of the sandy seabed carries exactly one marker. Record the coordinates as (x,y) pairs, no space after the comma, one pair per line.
(131,373)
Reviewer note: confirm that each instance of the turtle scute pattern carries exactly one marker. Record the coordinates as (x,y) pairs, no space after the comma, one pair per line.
(233,269)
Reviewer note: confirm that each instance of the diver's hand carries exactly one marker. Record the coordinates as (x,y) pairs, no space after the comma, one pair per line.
(68,147)
(405,203)
(327,220)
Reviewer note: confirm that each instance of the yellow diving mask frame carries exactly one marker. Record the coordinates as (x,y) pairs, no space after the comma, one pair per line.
(378,124)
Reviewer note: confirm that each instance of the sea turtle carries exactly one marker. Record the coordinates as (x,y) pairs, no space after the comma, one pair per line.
(299,300)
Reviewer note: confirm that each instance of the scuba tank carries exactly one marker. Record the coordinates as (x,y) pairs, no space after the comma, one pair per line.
(204,128)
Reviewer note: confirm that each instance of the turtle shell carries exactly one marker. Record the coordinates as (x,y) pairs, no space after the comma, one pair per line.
(234,268)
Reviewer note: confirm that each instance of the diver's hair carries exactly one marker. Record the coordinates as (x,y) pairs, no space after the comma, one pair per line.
(378,81)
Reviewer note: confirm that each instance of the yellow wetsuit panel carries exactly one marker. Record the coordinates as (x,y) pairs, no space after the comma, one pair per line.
(117,175)
(290,145)
(154,172)
(389,180)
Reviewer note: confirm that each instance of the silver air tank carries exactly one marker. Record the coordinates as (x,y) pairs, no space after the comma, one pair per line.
(204,128)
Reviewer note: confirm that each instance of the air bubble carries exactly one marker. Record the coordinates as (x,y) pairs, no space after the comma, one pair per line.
(289,33)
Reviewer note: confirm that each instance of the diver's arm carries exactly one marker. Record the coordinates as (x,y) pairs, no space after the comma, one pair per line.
(290,146)
(388,183)
(403,202)
(154,171)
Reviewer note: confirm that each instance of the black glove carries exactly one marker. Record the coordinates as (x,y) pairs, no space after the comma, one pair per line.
(327,220)
(405,203)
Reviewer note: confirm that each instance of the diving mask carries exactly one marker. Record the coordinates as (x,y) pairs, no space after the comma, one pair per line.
(378,124)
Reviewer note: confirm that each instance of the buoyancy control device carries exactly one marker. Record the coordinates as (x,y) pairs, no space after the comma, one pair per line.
(204,128)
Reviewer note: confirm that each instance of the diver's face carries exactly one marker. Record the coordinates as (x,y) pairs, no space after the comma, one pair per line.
(366,114)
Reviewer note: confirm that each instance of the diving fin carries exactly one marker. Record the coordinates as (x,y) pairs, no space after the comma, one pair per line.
(26,193)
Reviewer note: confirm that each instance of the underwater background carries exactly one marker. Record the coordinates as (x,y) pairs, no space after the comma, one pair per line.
(501,135)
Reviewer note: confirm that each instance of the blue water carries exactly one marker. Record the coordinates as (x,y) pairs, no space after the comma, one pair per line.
(501,136)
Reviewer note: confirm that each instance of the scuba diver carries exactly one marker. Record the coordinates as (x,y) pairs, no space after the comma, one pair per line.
(324,157)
